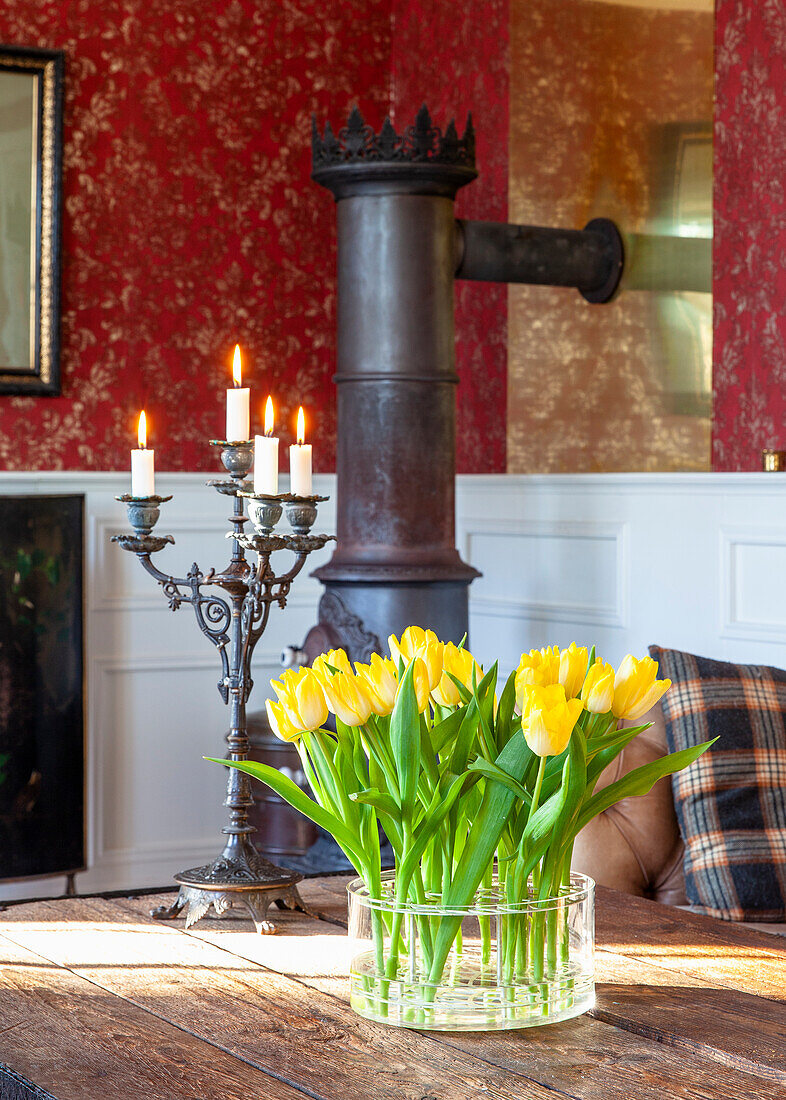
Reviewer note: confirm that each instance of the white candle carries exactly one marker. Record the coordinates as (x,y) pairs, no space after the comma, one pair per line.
(238,405)
(300,461)
(143,482)
(266,457)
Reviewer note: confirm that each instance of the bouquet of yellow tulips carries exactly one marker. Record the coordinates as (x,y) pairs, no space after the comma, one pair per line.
(475,790)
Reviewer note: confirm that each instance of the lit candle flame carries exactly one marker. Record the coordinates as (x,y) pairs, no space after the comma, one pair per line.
(269,416)
(141,433)
(301,427)
(236,366)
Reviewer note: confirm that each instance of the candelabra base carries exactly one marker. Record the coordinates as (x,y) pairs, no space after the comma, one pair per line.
(254,882)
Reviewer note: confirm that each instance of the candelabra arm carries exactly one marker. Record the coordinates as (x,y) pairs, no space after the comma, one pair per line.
(170,585)
(277,588)
(212,613)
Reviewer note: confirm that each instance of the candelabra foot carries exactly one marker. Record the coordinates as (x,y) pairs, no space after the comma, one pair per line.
(169,912)
(197,903)
(250,881)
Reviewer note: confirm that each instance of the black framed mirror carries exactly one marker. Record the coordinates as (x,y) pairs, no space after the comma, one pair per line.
(31,155)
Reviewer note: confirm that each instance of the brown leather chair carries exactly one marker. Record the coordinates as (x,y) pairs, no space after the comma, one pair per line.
(635,846)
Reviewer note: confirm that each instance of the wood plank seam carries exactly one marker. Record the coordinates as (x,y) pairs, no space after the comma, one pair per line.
(163,1019)
(736,1061)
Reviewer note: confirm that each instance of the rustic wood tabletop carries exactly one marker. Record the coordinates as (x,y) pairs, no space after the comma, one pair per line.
(99,1002)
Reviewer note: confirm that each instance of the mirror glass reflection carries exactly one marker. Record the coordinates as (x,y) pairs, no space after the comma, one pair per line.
(18,188)
(611,116)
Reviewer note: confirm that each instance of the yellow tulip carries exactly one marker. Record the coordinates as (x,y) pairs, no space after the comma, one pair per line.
(416,642)
(597,695)
(539,667)
(420,682)
(279,722)
(636,687)
(461,663)
(336,658)
(380,680)
(348,698)
(573,668)
(300,694)
(548,718)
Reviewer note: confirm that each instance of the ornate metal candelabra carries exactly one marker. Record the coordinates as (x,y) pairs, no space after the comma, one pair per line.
(234,622)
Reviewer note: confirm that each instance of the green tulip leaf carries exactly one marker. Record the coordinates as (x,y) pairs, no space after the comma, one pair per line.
(405,741)
(506,719)
(299,800)
(640,781)
(491,771)
(380,800)
(442,733)
(603,751)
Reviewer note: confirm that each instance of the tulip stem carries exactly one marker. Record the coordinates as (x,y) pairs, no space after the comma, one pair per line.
(536,793)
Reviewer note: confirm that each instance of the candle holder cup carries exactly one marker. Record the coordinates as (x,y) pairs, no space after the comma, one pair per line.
(233,621)
(143,512)
(265,511)
(237,456)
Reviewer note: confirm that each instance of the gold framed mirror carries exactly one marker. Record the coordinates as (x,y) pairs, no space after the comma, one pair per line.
(31,144)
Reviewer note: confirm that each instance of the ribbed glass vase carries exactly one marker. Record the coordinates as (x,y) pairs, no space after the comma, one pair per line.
(506,964)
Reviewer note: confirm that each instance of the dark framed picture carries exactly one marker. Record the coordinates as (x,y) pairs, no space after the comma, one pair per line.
(31,155)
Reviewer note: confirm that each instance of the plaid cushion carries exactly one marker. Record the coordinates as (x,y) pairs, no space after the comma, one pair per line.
(731,804)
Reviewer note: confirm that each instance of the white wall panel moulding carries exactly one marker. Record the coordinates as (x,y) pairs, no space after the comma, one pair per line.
(563,571)
(753,583)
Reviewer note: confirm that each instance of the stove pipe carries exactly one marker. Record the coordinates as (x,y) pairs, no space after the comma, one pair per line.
(399,250)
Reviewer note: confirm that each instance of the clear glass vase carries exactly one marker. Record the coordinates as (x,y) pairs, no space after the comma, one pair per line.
(489,966)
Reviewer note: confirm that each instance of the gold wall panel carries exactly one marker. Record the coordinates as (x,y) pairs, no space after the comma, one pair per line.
(611,116)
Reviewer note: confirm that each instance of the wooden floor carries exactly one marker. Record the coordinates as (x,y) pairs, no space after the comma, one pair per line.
(98,1002)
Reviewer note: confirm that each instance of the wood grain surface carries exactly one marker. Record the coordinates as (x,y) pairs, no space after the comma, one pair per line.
(97,1001)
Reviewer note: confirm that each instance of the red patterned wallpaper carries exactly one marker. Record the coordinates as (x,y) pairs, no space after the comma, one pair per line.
(190,221)
(750,232)
(457,58)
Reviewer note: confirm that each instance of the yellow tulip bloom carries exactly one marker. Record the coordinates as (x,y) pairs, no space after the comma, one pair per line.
(420,682)
(336,658)
(416,642)
(636,687)
(279,722)
(597,695)
(348,698)
(461,663)
(539,667)
(548,718)
(573,668)
(380,680)
(301,696)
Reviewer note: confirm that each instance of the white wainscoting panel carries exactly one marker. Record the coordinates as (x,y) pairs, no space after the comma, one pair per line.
(690,561)
(697,562)
(154,806)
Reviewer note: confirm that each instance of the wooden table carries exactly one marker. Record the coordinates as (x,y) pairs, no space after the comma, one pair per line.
(99,1001)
